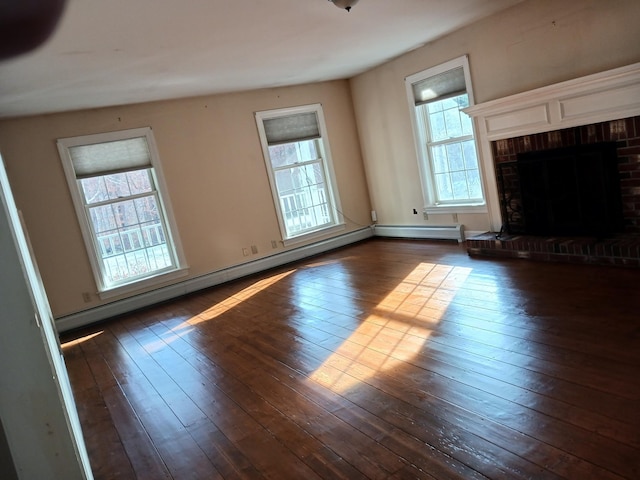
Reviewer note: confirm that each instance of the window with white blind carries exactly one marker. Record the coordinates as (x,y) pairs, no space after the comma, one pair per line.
(119,196)
(445,141)
(298,162)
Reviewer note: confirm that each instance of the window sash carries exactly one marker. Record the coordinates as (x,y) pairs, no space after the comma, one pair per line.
(446,81)
(299,164)
(436,172)
(463,138)
(161,258)
(149,175)
(471,176)
(125,237)
(308,195)
(322,214)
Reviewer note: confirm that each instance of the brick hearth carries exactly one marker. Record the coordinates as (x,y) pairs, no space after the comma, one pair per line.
(621,250)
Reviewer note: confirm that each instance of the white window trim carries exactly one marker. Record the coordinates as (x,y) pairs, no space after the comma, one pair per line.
(328,170)
(104,291)
(424,165)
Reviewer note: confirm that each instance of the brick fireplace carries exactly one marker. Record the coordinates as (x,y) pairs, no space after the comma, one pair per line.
(626,135)
(582,112)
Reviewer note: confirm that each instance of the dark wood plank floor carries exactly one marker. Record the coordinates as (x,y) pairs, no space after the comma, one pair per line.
(386,359)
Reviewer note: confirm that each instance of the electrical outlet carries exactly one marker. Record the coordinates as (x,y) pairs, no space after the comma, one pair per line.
(425,215)
(455,218)
(86,296)
(254,249)
(245,252)
(274,244)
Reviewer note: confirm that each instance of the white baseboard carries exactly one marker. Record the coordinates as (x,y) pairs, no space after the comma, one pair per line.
(436,232)
(118,307)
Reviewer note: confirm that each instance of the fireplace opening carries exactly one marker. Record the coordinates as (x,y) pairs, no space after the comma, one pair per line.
(571,190)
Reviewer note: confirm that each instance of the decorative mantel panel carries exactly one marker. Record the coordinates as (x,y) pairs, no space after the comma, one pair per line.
(605,96)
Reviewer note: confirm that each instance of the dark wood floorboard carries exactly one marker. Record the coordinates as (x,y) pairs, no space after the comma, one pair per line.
(388,359)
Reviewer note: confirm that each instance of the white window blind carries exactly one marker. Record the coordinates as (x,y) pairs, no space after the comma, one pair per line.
(439,87)
(291,128)
(118,191)
(444,137)
(110,157)
(298,161)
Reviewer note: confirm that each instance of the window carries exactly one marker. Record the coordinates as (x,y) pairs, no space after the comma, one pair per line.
(449,167)
(119,197)
(298,164)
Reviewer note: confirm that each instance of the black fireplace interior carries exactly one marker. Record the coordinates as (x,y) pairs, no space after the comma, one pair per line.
(567,191)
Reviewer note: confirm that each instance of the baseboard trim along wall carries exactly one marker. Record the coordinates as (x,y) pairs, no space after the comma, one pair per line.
(118,307)
(435,232)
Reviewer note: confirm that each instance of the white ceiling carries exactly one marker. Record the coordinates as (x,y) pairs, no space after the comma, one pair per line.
(114,52)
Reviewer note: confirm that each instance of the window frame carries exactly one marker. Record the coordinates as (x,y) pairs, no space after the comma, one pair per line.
(324,158)
(422,142)
(106,289)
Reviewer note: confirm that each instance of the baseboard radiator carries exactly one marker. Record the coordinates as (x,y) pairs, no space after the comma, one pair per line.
(435,232)
(102,312)
(118,307)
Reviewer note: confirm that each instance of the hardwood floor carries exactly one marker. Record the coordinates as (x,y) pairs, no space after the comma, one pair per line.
(388,359)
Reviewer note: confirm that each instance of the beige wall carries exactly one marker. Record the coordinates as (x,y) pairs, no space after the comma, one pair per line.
(213,163)
(535,43)
(214,170)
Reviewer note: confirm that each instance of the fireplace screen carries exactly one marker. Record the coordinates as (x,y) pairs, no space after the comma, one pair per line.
(565,191)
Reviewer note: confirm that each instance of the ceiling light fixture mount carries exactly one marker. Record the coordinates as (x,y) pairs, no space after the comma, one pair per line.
(346,4)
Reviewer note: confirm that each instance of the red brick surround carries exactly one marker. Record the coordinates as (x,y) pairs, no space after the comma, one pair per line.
(626,132)
(623,249)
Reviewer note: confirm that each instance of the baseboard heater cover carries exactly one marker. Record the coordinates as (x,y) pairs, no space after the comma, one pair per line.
(435,232)
(129,304)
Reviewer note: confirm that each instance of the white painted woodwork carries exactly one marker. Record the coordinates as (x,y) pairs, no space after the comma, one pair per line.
(605,96)
(437,232)
(36,403)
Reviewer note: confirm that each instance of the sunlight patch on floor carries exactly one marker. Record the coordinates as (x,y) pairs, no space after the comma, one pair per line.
(234,300)
(396,329)
(166,339)
(324,263)
(78,341)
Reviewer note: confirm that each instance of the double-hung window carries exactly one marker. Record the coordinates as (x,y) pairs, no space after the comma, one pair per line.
(445,141)
(121,203)
(298,162)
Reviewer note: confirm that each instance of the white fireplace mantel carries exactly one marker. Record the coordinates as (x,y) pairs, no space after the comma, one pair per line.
(601,97)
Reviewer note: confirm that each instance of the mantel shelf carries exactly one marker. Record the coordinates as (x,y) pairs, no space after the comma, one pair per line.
(601,97)
(595,98)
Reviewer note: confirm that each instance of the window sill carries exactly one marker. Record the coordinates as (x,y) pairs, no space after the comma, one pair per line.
(314,234)
(463,208)
(143,283)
